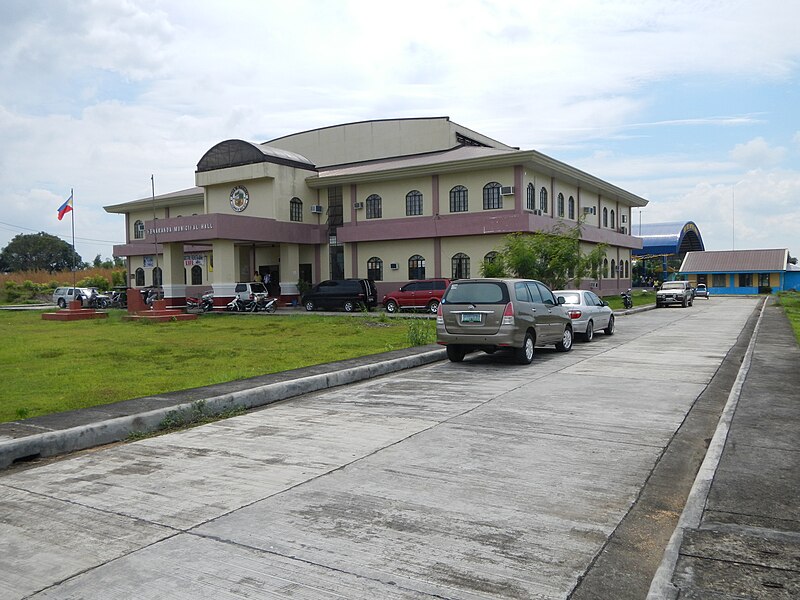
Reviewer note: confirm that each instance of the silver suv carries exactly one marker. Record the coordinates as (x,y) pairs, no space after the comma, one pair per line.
(62,296)
(492,314)
(249,290)
(675,292)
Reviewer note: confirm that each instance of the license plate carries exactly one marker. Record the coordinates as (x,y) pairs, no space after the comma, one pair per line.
(471,318)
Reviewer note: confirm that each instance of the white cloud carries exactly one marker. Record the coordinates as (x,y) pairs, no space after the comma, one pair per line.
(757,153)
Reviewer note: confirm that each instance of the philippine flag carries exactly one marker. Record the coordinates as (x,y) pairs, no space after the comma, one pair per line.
(65,208)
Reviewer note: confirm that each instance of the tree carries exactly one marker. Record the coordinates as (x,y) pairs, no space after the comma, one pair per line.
(39,252)
(553,257)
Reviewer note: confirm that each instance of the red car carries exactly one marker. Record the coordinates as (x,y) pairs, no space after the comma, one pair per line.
(421,294)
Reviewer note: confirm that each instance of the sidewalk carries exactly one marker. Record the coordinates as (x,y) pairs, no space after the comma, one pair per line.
(747,541)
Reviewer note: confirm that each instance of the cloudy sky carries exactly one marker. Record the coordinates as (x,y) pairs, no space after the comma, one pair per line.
(692,105)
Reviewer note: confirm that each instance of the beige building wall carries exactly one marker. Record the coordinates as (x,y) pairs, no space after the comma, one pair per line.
(474,181)
(393,196)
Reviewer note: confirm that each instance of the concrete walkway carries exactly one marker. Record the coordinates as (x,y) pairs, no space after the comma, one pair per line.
(739,536)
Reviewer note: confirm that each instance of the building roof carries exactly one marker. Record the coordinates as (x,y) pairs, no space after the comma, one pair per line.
(675,237)
(234,153)
(736,261)
(179,198)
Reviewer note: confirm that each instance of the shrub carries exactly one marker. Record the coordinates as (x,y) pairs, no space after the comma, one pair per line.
(421,332)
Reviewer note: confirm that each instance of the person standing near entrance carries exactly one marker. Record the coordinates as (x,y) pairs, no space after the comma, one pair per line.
(256,276)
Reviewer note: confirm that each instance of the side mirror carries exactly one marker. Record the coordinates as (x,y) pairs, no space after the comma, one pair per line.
(604,303)
(562,300)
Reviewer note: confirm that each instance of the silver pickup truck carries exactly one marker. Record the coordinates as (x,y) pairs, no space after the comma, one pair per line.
(675,292)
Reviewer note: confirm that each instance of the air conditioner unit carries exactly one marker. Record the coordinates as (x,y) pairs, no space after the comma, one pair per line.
(624,218)
(316,209)
(394,266)
(588,210)
(537,212)
(358,205)
(507,190)
(593,284)
(623,230)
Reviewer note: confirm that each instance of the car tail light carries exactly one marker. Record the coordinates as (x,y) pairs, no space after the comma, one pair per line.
(252,296)
(575,314)
(508,314)
(439,314)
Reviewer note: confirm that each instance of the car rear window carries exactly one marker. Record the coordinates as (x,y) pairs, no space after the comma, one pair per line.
(258,288)
(570,298)
(477,292)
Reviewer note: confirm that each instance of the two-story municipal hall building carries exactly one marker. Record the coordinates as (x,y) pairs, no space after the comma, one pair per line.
(394,200)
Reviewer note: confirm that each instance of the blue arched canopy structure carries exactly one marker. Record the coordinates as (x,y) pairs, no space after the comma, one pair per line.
(663,241)
(666,239)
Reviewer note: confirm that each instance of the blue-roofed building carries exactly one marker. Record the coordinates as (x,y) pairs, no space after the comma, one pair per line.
(666,241)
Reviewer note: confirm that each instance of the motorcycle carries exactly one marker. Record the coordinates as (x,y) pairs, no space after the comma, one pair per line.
(235,305)
(205,303)
(265,303)
(627,299)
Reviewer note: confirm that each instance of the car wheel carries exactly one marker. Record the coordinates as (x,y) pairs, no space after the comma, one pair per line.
(391,306)
(349,306)
(610,329)
(62,303)
(684,303)
(589,335)
(310,305)
(565,345)
(433,306)
(455,353)
(524,355)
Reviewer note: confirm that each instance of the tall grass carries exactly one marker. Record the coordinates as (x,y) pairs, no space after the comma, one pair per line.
(27,287)
(790,301)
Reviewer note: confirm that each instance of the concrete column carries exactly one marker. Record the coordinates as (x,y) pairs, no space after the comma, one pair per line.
(225,261)
(173,274)
(290,269)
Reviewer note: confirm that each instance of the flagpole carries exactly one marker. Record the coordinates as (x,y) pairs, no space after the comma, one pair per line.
(155,228)
(72,195)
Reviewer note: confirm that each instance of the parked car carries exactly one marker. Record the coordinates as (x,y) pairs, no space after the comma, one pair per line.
(675,292)
(62,296)
(588,312)
(422,294)
(249,290)
(701,291)
(491,314)
(346,294)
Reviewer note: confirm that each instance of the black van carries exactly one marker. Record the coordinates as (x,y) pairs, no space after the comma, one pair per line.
(347,294)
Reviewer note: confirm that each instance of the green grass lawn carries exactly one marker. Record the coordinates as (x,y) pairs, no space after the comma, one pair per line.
(790,301)
(53,366)
(639,299)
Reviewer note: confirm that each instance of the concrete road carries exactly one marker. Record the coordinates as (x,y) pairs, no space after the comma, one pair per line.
(475,480)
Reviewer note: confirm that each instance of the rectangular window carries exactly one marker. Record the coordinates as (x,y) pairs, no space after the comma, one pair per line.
(719,280)
(745,280)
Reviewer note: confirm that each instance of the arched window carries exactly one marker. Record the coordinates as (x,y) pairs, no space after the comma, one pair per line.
(571,208)
(296,210)
(197,275)
(139,277)
(605,268)
(543,200)
(138,230)
(531,197)
(460,266)
(374,207)
(605,217)
(414,203)
(613,269)
(416,267)
(458,199)
(375,268)
(560,205)
(490,257)
(491,196)
(627,273)
(157,277)
(613,221)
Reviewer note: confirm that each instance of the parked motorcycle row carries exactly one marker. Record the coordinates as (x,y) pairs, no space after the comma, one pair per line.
(259,302)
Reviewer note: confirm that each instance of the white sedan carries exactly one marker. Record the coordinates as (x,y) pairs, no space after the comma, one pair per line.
(587,311)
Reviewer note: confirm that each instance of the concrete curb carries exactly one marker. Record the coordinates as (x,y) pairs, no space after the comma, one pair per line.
(52,443)
(661,587)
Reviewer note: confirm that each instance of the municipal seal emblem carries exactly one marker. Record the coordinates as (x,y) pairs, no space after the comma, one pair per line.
(239,198)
